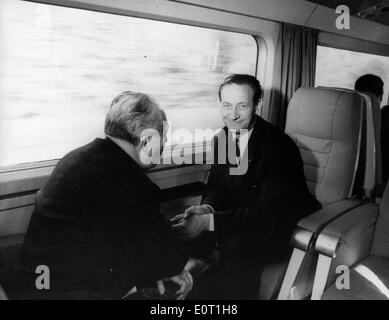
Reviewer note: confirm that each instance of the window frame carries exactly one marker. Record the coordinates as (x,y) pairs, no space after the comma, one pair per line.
(353,49)
(193,147)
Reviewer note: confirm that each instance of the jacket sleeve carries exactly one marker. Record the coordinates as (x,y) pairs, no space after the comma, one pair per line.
(160,254)
(166,255)
(215,190)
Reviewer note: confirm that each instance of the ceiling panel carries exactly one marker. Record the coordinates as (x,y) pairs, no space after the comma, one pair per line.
(374,10)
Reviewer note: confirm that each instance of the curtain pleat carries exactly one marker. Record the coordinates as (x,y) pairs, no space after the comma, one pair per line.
(294,67)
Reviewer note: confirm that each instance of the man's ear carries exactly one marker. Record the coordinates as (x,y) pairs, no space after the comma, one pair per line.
(258,107)
(145,141)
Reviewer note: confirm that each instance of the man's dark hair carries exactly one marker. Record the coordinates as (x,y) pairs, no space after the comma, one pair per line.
(370,83)
(242,79)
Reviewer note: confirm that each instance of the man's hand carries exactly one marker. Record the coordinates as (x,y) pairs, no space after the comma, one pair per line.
(196,266)
(183,280)
(193,210)
(192,226)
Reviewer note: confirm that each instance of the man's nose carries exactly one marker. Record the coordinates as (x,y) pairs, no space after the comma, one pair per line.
(235,113)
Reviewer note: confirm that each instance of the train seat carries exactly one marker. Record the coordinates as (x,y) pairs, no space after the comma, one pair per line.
(367,184)
(358,240)
(327,126)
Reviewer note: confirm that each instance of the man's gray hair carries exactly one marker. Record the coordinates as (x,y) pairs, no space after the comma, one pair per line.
(131,113)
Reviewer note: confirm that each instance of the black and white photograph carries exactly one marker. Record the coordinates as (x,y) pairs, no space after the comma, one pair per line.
(205,151)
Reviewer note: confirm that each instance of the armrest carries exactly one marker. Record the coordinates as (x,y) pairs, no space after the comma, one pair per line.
(317,221)
(311,226)
(348,239)
(354,224)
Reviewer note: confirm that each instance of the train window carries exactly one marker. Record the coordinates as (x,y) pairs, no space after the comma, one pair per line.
(341,68)
(61,67)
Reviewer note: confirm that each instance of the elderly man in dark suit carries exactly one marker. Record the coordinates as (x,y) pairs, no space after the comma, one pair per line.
(97,226)
(250,216)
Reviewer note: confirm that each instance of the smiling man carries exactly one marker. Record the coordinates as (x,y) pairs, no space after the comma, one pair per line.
(250,216)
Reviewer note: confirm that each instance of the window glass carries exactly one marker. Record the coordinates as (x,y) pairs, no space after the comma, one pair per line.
(341,68)
(61,67)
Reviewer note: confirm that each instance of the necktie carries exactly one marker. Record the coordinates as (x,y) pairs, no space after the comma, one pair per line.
(237,147)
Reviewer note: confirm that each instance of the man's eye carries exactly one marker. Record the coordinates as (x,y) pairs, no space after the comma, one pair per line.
(243,106)
(226,106)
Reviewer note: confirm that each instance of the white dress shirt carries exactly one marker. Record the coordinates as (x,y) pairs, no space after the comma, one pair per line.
(243,143)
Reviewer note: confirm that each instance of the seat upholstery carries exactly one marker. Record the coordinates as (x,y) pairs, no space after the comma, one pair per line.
(369,280)
(373,155)
(371,145)
(361,176)
(369,277)
(370,176)
(326,126)
(366,176)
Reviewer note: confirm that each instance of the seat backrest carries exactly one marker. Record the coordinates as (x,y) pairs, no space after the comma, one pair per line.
(371,172)
(373,162)
(326,125)
(380,247)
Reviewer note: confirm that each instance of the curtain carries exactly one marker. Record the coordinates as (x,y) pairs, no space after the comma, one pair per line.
(294,67)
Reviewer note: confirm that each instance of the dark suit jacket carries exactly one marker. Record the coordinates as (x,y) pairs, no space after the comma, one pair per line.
(98,227)
(257,212)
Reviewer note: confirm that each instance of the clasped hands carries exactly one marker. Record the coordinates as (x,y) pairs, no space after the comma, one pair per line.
(192,222)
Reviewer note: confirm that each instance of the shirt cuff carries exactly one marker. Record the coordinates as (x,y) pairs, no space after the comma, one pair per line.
(211,222)
(209,207)
(211,218)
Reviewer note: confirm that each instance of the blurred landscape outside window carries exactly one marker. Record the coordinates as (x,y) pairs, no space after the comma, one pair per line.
(341,68)
(60,68)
